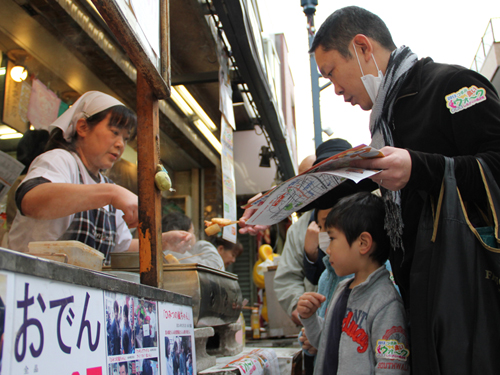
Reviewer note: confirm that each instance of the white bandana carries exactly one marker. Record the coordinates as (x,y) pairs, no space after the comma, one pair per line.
(87,105)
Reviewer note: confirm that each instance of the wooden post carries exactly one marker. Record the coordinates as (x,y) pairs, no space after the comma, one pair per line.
(148,151)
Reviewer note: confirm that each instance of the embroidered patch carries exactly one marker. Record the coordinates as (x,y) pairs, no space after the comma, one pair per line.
(392,349)
(392,345)
(465,98)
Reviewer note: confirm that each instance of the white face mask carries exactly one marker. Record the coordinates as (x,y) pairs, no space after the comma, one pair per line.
(371,83)
(324,241)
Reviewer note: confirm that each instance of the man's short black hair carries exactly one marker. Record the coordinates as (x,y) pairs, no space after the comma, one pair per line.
(358,213)
(176,221)
(344,24)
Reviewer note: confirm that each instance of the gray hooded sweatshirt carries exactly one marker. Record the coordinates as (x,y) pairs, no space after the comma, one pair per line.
(374,339)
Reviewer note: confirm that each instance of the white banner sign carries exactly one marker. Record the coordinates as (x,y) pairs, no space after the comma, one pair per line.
(55,328)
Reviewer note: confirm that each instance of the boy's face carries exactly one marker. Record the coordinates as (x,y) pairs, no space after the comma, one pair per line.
(343,257)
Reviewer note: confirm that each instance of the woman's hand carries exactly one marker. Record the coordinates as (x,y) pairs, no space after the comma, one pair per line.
(250,229)
(123,199)
(177,240)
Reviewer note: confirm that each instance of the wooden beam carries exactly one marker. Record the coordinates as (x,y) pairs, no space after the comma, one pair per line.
(148,151)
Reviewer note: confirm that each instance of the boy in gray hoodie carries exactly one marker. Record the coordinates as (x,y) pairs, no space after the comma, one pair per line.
(364,329)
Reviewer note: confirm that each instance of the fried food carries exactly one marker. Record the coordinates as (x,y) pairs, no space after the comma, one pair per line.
(215,225)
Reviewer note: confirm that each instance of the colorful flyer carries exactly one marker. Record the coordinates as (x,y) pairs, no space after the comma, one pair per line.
(176,332)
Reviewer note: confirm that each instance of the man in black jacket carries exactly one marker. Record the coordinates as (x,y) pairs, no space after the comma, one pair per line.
(422,111)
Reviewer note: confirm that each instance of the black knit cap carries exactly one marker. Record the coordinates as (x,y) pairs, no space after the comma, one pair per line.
(329,199)
(331,147)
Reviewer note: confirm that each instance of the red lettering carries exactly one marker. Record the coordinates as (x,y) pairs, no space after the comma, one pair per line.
(357,334)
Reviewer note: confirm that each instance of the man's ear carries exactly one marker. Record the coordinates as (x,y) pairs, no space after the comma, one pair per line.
(365,243)
(81,127)
(365,44)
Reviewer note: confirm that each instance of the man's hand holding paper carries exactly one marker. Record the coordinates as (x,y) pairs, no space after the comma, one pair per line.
(395,168)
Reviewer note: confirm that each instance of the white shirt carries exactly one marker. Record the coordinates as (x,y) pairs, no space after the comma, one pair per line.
(59,166)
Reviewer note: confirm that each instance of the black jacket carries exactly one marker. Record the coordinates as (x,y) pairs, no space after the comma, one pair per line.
(424,125)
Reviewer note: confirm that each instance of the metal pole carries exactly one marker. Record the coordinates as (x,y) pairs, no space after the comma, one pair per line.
(318,137)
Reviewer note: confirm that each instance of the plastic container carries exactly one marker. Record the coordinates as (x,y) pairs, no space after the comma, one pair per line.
(78,253)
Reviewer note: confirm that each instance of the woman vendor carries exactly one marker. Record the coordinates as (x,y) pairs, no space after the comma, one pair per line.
(64,195)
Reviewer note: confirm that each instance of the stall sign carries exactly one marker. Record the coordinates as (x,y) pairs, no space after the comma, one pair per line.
(52,327)
(228,180)
(56,328)
(176,334)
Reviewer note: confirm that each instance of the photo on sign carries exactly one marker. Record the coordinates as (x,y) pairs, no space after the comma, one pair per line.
(178,355)
(177,345)
(135,367)
(131,327)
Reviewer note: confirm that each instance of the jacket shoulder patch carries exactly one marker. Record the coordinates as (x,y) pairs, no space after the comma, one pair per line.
(465,98)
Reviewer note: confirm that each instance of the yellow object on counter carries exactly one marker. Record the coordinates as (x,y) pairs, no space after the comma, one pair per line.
(265,253)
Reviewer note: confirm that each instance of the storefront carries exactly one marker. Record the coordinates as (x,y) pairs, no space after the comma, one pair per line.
(63,49)
(67,49)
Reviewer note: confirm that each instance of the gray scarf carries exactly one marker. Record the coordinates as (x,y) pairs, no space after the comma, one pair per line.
(400,63)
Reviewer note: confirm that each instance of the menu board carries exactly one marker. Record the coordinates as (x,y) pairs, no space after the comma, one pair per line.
(43,107)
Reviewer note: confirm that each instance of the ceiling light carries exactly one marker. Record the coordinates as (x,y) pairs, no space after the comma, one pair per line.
(6,132)
(11,136)
(193,104)
(208,135)
(181,103)
(19,73)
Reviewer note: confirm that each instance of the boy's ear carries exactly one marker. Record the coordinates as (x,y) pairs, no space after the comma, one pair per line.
(366,242)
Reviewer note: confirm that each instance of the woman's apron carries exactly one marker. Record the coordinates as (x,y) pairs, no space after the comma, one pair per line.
(96,228)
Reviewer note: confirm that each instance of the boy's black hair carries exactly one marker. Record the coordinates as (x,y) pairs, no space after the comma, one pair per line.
(344,24)
(358,213)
